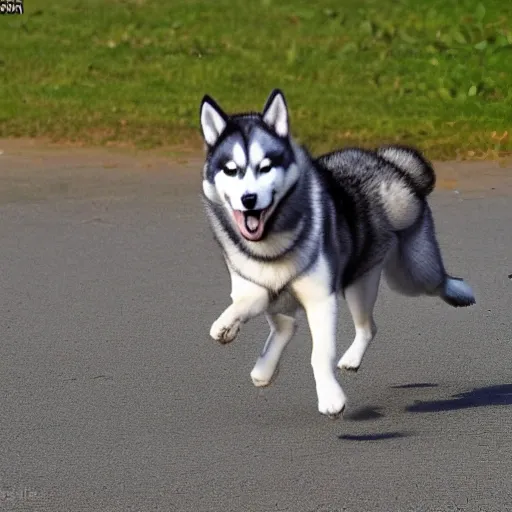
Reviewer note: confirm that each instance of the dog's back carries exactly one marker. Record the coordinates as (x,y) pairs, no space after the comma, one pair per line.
(382,195)
(377,194)
(392,177)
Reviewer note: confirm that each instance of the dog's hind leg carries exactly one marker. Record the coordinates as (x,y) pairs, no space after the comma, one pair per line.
(282,328)
(361,297)
(415,266)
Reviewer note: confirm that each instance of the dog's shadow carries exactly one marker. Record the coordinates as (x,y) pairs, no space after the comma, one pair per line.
(380,436)
(416,385)
(370,413)
(367,413)
(477,397)
(497,395)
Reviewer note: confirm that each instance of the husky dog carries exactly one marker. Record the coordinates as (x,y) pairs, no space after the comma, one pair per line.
(298,232)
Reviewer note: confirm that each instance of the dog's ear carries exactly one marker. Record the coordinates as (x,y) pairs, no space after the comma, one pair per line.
(213,120)
(275,113)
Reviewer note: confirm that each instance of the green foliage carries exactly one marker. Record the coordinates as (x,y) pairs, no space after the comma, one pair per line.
(435,74)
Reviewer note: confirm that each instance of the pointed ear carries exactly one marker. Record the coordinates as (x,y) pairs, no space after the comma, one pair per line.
(275,113)
(213,120)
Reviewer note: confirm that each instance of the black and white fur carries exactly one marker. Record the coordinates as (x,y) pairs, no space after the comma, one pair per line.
(298,232)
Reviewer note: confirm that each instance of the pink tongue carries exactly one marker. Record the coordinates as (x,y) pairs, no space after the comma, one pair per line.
(254,223)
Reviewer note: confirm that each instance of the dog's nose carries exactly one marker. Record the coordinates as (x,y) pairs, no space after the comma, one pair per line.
(249,201)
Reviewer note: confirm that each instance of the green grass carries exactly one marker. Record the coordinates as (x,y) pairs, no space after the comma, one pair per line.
(435,74)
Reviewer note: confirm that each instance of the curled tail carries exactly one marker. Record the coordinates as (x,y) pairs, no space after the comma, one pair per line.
(413,164)
(457,293)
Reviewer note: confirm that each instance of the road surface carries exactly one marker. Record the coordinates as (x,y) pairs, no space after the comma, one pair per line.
(113,398)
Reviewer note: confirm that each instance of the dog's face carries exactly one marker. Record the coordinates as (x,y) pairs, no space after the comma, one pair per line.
(250,163)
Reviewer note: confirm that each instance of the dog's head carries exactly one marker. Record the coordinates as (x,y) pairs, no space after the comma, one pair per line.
(250,164)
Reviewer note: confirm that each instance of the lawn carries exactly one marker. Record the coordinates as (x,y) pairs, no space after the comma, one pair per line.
(435,74)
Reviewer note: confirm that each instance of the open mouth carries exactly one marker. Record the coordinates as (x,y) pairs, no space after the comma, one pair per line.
(251,223)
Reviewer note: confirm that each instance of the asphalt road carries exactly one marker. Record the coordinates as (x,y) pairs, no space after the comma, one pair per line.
(113,398)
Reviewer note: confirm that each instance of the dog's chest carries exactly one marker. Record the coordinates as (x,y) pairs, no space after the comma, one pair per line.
(274,275)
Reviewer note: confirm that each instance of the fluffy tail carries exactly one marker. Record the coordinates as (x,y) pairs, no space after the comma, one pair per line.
(413,164)
(457,293)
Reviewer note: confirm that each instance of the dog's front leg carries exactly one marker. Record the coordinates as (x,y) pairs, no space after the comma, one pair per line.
(249,300)
(314,292)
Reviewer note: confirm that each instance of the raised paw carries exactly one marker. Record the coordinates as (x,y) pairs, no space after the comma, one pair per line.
(224,333)
(331,400)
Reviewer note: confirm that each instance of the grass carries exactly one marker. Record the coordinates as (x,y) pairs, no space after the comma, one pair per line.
(435,74)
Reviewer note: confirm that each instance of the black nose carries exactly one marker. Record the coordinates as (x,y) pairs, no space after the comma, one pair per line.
(249,201)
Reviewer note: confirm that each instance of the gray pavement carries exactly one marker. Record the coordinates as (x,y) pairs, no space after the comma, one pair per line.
(113,398)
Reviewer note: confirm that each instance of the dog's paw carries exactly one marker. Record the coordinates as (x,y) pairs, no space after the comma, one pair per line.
(331,400)
(261,377)
(223,332)
(350,361)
